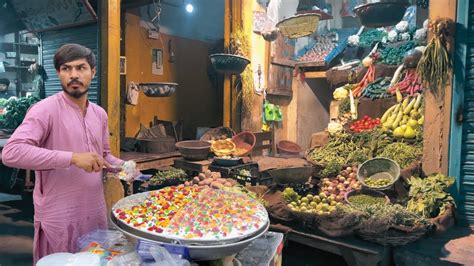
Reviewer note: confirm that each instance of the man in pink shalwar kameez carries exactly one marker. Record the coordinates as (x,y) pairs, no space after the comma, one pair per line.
(65,139)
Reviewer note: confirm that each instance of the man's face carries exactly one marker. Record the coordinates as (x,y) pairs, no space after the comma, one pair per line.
(3,87)
(76,77)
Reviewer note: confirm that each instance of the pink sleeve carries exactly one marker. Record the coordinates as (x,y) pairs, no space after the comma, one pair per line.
(105,140)
(23,148)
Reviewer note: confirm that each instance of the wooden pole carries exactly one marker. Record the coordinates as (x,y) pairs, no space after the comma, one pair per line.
(110,86)
(227,91)
(438,114)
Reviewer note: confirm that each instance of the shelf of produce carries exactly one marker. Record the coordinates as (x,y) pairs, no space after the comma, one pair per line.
(338,78)
(315,74)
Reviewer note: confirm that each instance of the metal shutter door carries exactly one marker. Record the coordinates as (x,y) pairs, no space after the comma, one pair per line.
(51,41)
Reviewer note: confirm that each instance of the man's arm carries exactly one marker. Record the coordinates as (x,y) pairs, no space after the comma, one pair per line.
(105,140)
(23,148)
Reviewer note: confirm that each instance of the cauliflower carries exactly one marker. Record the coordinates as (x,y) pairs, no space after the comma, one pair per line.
(420,34)
(402,26)
(340,94)
(354,40)
(392,36)
(425,24)
(334,128)
(406,36)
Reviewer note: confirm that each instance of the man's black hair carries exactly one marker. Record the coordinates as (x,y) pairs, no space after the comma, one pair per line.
(5,81)
(73,51)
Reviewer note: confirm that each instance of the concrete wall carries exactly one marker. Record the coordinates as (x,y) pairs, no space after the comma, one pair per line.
(195,101)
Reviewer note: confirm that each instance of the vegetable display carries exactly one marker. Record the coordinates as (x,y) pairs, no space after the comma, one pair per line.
(395,55)
(343,149)
(211,179)
(377,89)
(368,78)
(377,182)
(410,84)
(337,187)
(164,176)
(368,38)
(321,49)
(363,199)
(402,153)
(319,204)
(16,109)
(365,124)
(404,118)
(429,196)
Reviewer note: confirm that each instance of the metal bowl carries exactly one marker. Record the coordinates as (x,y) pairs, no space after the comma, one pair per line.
(158,89)
(378,168)
(194,150)
(229,63)
(201,252)
(291,175)
(381,14)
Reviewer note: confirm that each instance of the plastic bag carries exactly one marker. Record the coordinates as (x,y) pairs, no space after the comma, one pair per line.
(106,238)
(132,93)
(128,259)
(163,257)
(269,28)
(79,259)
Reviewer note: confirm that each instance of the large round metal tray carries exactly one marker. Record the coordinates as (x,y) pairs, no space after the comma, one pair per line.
(140,197)
(196,252)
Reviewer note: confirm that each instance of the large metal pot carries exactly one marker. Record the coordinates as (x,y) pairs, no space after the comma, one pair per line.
(381,14)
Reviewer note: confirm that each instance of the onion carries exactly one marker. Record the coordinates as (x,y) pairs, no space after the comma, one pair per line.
(347,183)
(352,175)
(339,198)
(354,169)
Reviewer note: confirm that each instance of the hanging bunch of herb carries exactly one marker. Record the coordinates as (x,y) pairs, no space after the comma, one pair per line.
(240,45)
(435,63)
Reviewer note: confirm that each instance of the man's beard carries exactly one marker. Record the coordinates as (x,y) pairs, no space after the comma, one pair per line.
(75,93)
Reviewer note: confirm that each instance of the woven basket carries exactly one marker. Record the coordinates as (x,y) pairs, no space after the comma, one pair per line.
(229,63)
(299,25)
(395,236)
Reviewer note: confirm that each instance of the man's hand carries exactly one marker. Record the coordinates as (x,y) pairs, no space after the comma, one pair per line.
(89,161)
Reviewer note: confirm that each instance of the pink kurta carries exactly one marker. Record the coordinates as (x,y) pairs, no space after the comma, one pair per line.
(69,202)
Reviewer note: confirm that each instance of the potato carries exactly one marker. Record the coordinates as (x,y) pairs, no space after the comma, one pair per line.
(202,176)
(208,173)
(202,183)
(208,181)
(228,184)
(216,184)
(221,180)
(196,180)
(187,183)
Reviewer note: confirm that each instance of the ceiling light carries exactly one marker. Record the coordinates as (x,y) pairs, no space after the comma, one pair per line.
(189,8)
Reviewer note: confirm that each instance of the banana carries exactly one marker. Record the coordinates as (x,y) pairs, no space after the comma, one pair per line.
(409,106)
(399,95)
(398,119)
(387,113)
(418,102)
(405,103)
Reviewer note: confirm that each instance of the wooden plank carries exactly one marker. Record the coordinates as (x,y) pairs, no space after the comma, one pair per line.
(157,163)
(315,74)
(310,64)
(197,166)
(110,84)
(142,157)
(283,62)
